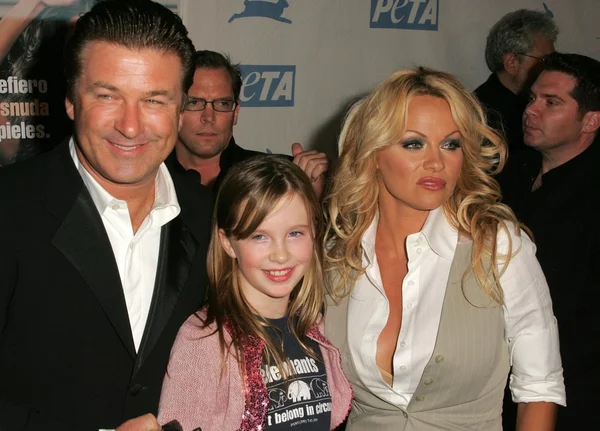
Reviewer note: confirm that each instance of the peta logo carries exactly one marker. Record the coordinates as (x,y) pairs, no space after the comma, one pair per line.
(405,14)
(264,85)
(263,9)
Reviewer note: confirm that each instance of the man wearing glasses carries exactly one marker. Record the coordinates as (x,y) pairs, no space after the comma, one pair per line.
(206,144)
(515,51)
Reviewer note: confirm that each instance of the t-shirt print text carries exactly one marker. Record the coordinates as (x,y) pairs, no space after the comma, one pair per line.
(304,400)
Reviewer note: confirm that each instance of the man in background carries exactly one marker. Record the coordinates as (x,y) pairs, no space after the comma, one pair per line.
(555,195)
(515,51)
(206,144)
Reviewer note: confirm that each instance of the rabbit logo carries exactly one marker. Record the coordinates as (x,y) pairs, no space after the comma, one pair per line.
(263,9)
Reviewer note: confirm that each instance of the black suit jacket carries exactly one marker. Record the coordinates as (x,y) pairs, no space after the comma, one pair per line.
(67,358)
(231,156)
(504,111)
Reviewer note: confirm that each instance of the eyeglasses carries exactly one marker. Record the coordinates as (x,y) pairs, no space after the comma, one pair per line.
(219,105)
(542,59)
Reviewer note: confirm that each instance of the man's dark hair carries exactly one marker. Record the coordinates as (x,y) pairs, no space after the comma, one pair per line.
(586,72)
(133,24)
(214,60)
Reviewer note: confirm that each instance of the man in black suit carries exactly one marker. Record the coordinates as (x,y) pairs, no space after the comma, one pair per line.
(206,144)
(102,250)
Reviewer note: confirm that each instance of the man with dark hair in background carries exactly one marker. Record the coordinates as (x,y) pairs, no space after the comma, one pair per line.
(515,51)
(555,192)
(206,144)
(102,250)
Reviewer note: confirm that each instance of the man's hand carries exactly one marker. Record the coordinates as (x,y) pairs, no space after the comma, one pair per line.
(142,423)
(314,164)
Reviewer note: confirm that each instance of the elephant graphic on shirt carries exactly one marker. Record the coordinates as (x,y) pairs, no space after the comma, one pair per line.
(319,388)
(298,391)
(277,397)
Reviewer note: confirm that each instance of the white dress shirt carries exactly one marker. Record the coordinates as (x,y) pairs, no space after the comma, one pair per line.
(530,327)
(136,254)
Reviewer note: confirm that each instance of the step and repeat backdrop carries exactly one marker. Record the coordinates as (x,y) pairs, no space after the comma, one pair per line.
(304,61)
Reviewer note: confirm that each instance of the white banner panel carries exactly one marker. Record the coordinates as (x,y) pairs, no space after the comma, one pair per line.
(305,60)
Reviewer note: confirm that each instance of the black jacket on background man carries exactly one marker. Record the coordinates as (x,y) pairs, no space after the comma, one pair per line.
(563,217)
(231,155)
(504,111)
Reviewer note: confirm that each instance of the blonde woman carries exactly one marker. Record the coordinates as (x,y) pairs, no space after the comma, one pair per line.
(256,358)
(436,291)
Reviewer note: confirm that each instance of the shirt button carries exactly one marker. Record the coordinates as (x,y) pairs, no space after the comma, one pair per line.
(419,251)
(404,414)
(409,305)
(403,344)
(438,359)
(131,245)
(428,381)
(420,398)
(403,367)
(116,207)
(410,283)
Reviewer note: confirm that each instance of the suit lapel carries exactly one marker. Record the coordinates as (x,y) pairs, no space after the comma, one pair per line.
(179,244)
(177,250)
(81,238)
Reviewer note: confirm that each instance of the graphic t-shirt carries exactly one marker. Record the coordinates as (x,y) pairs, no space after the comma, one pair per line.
(303,402)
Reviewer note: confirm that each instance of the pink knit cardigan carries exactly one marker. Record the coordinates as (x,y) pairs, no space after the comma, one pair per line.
(199,393)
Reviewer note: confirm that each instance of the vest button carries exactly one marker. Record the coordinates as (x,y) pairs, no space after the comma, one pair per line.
(404,414)
(428,381)
(438,359)
(420,398)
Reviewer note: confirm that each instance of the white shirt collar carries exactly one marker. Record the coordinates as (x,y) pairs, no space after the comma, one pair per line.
(439,234)
(165,200)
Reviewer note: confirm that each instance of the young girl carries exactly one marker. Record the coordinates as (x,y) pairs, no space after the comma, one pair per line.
(255,358)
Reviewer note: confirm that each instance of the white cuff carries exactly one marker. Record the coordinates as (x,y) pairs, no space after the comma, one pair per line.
(537,373)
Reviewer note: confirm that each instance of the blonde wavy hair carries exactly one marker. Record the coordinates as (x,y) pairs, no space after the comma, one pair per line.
(246,197)
(378,121)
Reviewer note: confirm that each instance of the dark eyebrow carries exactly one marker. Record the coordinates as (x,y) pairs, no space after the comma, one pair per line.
(101,84)
(547,96)
(154,93)
(110,87)
(216,98)
(420,134)
(552,96)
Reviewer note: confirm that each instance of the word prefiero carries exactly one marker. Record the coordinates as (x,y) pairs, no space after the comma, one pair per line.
(14,85)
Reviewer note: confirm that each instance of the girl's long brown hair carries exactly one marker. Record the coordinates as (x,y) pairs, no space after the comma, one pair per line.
(248,194)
